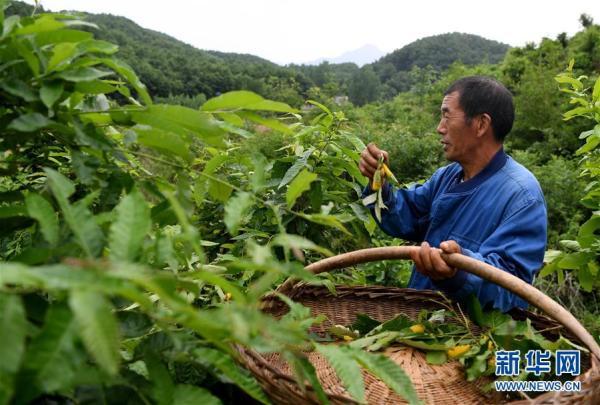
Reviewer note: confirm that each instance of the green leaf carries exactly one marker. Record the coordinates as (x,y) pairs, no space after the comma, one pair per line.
(267,122)
(576,84)
(549,268)
(125,71)
(42,24)
(244,100)
(128,231)
(474,310)
(298,242)
(321,106)
(299,185)
(25,49)
(52,359)
(590,143)
(51,92)
(191,395)
(358,144)
(217,280)
(269,105)
(163,388)
(78,216)
(478,367)
(231,118)
(586,280)
(305,372)
(574,261)
(423,345)
(436,357)
(62,187)
(19,88)
(95,87)
(236,209)
(576,112)
(12,338)
(29,122)
(395,324)
(9,211)
(226,365)
(596,92)
(83,74)
(346,368)
(214,163)
(364,323)
(98,327)
(327,220)
(12,341)
(219,191)
(258,177)
(182,121)
(41,210)
(65,35)
(97,46)
(298,165)
(133,324)
(163,141)
(61,54)
(389,372)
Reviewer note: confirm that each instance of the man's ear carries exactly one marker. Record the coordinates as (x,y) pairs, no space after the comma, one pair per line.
(484,124)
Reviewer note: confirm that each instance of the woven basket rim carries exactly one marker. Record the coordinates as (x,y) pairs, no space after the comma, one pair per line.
(591,376)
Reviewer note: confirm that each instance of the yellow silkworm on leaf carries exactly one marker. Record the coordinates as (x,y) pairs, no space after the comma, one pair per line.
(418,328)
(458,351)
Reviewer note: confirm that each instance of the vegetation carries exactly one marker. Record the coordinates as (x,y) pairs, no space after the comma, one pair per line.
(141,225)
(137,241)
(170,67)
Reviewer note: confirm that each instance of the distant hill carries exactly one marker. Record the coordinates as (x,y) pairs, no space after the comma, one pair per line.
(171,67)
(361,56)
(438,52)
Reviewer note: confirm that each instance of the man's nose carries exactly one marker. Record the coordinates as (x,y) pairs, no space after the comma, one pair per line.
(441,128)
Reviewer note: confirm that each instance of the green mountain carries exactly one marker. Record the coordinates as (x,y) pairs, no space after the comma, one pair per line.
(436,52)
(440,51)
(170,67)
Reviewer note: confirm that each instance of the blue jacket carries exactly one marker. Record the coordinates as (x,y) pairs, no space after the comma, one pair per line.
(498,216)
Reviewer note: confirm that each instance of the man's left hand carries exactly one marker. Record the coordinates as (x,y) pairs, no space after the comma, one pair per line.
(429,261)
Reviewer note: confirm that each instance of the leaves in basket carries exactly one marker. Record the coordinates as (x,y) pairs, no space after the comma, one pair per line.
(364,323)
(445,336)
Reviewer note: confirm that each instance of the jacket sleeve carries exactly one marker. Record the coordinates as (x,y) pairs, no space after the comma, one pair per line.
(517,246)
(407,213)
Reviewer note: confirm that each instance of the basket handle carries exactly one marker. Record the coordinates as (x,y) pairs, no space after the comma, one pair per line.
(490,273)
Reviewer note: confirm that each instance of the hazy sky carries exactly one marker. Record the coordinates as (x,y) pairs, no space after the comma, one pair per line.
(286,31)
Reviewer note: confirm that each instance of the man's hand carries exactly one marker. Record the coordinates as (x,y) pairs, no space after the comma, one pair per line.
(368,160)
(430,263)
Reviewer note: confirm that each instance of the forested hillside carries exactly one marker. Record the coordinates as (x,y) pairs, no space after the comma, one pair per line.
(436,53)
(144,216)
(170,67)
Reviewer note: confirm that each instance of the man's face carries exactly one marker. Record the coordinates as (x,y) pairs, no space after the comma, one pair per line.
(458,137)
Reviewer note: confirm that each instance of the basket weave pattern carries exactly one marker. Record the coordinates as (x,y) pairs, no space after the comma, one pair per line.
(434,384)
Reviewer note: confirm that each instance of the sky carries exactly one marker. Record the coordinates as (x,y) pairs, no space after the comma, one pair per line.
(286,31)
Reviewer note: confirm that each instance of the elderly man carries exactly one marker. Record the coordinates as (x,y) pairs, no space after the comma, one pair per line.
(484,205)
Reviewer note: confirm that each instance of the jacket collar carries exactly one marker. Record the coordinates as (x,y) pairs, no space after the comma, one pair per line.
(495,164)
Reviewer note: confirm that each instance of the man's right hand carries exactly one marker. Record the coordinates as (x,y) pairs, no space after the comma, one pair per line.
(368,160)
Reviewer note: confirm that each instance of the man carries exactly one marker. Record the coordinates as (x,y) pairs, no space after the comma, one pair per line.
(484,205)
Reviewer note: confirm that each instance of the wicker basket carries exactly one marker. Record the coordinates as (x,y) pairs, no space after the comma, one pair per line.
(434,384)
